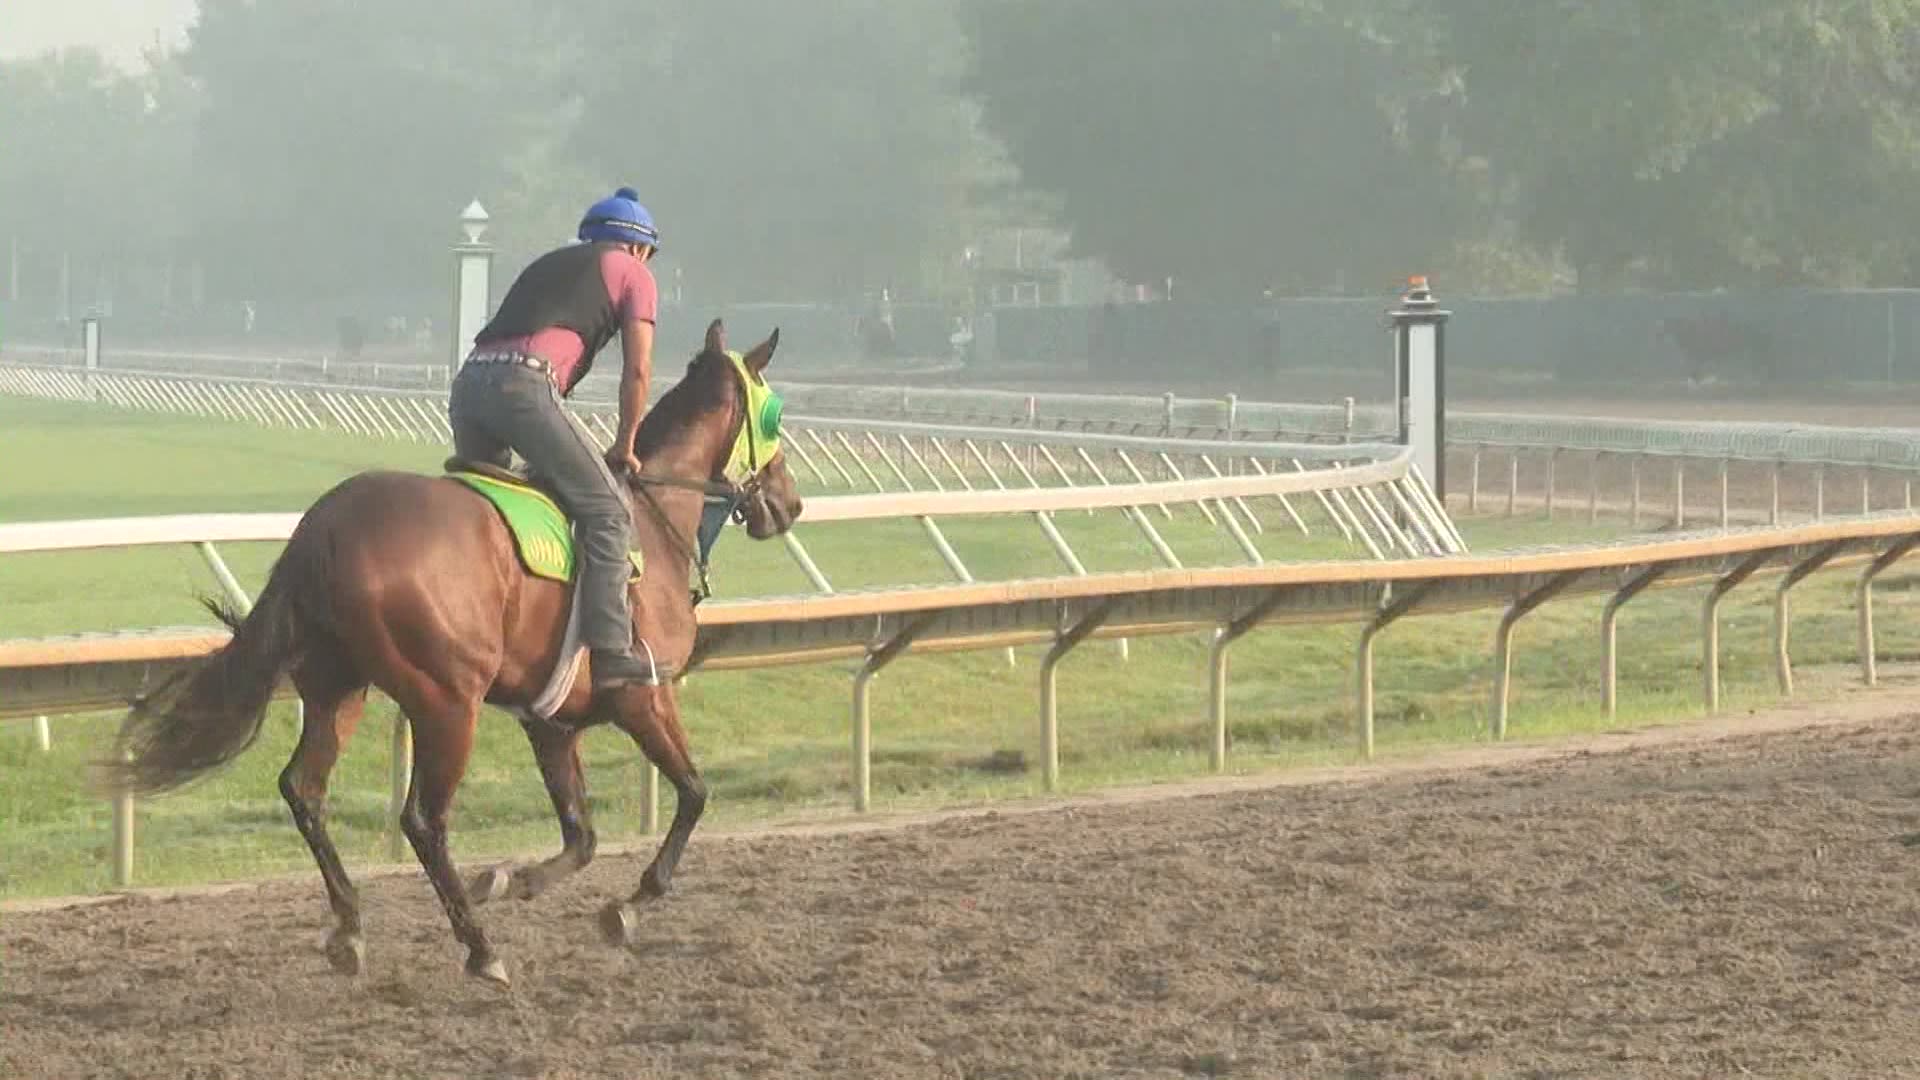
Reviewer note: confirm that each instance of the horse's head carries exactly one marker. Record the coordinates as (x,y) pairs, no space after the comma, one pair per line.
(753,460)
(721,424)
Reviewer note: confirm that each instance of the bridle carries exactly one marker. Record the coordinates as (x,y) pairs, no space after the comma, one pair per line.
(722,492)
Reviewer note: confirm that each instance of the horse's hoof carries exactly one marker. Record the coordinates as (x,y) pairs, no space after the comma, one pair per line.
(347,952)
(488,968)
(491,884)
(618,923)
(653,886)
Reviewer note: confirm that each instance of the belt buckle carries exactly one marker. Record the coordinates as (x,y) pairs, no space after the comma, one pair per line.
(516,359)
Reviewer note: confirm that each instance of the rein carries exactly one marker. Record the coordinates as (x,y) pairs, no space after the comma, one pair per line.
(734,495)
(713,489)
(679,542)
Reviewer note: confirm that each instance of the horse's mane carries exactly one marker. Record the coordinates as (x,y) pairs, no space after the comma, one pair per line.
(696,394)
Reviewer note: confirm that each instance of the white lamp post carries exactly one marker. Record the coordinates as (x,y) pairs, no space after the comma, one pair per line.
(1419,380)
(472,289)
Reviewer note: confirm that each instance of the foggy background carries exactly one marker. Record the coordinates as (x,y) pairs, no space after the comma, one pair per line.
(1116,192)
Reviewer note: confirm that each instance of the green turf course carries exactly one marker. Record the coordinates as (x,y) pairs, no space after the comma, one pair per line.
(773,744)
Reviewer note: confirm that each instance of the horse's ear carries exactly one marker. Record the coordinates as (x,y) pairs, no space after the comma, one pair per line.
(716,337)
(761,355)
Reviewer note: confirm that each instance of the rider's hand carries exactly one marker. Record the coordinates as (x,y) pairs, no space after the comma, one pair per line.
(623,462)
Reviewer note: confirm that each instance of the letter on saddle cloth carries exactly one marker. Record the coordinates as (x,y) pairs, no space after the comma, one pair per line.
(543,536)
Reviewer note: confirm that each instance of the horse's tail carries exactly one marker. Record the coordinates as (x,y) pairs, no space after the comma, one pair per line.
(207,714)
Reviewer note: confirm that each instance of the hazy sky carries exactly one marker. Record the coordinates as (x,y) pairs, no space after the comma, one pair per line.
(120,28)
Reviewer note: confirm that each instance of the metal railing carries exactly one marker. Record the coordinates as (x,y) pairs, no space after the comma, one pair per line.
(1214,418)
(878,627)
(1665,470)
(1380,500)
(1218,419)
(1040,455)
(1385,515)
(390,374)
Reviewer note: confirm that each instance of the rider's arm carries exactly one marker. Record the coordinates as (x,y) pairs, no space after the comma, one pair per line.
(636,343)
(637,299)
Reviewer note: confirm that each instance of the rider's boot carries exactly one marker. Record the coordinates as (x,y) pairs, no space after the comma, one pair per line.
(612,669)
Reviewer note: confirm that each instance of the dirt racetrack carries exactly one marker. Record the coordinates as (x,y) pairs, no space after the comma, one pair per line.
(1667,904)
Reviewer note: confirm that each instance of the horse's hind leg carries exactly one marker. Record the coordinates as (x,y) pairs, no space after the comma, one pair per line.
(332,712)
(442,741)
(652,717)
(557,751)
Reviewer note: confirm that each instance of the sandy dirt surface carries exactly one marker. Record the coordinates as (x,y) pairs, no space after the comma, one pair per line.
(1734,898)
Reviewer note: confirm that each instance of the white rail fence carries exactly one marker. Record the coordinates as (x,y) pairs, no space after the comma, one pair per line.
(878,627)
(391,374)
(1353,488)
(1380,498)
(1385,514)
(1050,454)
(1638,468)
(1227,418)
(1629,466)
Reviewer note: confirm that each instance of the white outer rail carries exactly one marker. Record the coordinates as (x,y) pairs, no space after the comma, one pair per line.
(36,536)
(1168,415)
(880,626)
(1114,426)
(1420,525)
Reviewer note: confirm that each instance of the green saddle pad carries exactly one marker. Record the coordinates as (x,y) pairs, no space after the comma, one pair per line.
(541,531)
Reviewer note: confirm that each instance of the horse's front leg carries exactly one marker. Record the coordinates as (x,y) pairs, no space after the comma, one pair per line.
(651,715)
(557,751)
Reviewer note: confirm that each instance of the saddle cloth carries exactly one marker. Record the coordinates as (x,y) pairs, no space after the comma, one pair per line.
(543,538)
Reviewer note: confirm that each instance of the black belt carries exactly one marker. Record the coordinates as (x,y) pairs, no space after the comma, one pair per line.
(520,358)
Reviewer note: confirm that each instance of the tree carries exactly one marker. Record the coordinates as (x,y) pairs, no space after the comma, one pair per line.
(336,148)
(337,144)
(1706,143)
(794,151)
(94,159)
(1239,145)
(1644,142)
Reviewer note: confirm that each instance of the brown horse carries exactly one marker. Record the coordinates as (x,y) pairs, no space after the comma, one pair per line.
(411,583)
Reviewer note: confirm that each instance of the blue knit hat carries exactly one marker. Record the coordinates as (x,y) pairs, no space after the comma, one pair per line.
(619,219)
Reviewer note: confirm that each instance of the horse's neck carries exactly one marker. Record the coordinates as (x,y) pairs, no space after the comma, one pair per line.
(682,455)
(667,531)
(682,437)
(686,453)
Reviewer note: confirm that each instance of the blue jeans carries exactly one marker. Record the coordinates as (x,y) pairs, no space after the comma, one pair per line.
(496,408)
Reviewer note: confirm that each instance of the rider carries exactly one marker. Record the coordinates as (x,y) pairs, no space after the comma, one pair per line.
(561,310)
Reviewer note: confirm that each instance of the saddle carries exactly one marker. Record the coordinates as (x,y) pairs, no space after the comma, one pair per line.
(543,536)
(458,464)
(542,530)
